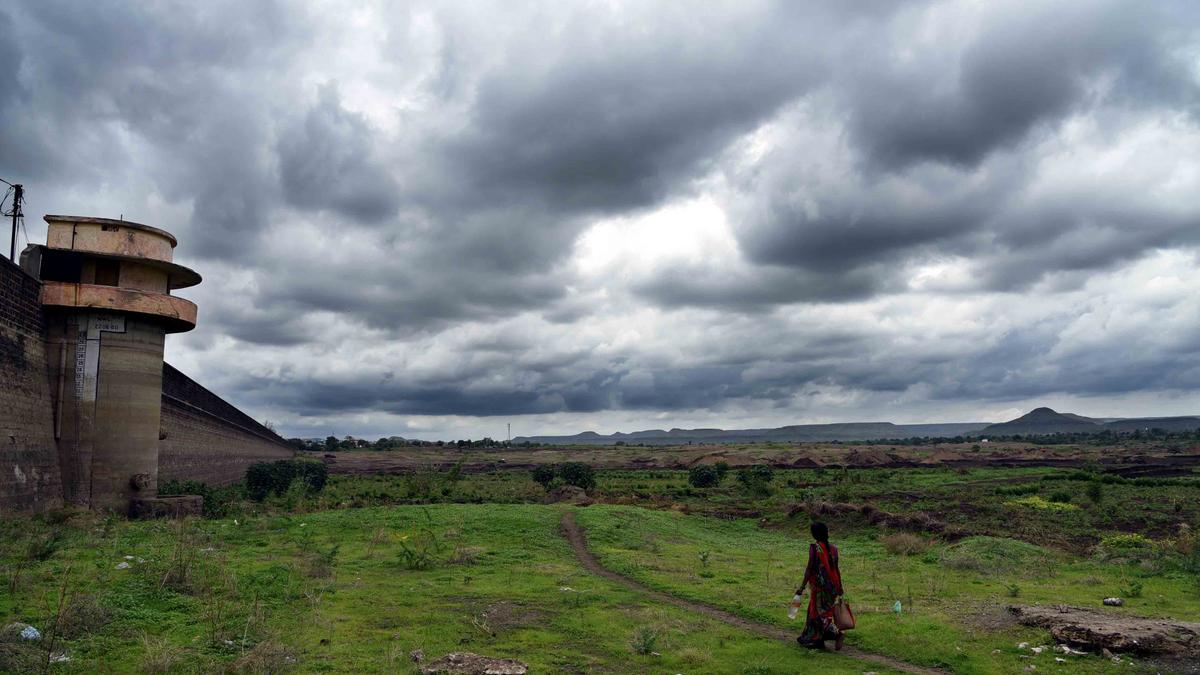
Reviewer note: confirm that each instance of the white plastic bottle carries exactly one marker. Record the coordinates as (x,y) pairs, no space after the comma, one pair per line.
(794,608)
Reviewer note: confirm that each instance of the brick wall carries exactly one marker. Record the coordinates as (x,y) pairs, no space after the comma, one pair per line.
(207,439)
(29,473)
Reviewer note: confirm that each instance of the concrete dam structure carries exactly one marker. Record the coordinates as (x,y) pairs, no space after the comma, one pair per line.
(90,415)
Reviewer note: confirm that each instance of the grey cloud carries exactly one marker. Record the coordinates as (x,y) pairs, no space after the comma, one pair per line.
(521,126)
(327,161)
(1027,68)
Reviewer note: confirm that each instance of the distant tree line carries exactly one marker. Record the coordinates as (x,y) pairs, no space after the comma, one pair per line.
(333,443)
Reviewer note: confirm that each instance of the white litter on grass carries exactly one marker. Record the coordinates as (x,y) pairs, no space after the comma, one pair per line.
(59,657)
(566,589)
(1038,650)
(303,524)
(1060,659)
(1066,649)
(1023,645)
(30,633)
(129,557)
(123,565)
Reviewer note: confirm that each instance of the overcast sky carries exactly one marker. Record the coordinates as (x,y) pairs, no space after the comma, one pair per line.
(433,219)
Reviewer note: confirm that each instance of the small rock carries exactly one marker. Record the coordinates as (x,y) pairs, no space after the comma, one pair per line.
(1023,645)
(995,651)
(1060,659)
(123,565)
(129,557)
(566,589)
(1038,650)
(1105,653)
(30,633)
(417,655)
(1030,668)
(1114,602)
(59,657)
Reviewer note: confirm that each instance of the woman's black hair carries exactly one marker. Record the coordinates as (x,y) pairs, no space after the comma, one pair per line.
(820,532)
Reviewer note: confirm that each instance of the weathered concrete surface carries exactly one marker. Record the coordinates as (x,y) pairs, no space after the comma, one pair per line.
(109,384)
(205,438)
(105,235)
(177,506)
(1096,629)
(177,314)
(29,475)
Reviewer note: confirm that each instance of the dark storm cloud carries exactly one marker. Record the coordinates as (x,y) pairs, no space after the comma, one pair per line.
(1026,68)
(326,161)
(361,193)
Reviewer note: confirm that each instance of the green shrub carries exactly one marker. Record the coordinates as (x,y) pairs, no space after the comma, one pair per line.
(543,475)
(756,479)
(1060,497)
(644,641)
(995,555)
(703,476)
(577,474)
(722,469)
(274,478)
(219,502)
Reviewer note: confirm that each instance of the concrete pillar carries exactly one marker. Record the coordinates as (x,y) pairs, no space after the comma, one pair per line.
(106,295)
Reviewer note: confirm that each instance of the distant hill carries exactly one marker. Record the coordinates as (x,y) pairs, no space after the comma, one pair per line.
(1047,421)
(1043,421)
(1164,423)
(848,431)
(1040,421)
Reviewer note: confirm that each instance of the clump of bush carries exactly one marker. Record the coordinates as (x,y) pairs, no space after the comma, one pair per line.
(219,502)
(905,543)
(1060,497)
(704,476)
(275,478)
(1126,546)
(994,555)
(568,473)
(544,475)
(756,479)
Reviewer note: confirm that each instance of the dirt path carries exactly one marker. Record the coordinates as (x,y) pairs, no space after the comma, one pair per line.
(574,535)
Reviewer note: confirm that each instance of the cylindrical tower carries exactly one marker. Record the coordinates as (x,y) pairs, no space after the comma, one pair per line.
(106,292)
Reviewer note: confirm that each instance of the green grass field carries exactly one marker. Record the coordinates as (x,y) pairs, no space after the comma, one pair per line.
(336,591)
(356,577)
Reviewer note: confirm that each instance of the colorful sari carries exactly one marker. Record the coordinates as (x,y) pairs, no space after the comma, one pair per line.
(825,586)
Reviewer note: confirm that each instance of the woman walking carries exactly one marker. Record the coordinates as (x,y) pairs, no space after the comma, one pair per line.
(825,584)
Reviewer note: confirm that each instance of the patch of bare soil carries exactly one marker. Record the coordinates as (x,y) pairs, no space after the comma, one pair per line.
(466,663)
(509,615)
(1097,630)
(575,536)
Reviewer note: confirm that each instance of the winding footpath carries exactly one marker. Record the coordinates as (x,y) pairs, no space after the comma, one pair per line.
(574,535)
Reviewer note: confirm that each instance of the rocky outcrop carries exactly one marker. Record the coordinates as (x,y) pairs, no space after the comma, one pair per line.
(1097,630)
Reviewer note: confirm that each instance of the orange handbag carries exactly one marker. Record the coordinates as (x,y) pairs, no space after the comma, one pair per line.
(843,616)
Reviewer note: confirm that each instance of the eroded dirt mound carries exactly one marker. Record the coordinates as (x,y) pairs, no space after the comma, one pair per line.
(914,522)
(1095,629)
(466,663)
(568,494)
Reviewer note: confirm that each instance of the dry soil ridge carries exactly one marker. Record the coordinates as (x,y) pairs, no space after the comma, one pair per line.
(575,536)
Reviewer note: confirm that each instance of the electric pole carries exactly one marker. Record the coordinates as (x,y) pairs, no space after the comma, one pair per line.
(18,195)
